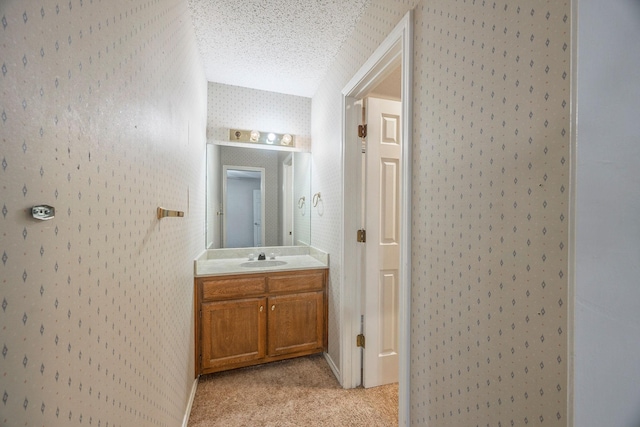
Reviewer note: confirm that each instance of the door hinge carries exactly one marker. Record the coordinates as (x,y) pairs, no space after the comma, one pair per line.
(360,340)
(362,131)
(361,236)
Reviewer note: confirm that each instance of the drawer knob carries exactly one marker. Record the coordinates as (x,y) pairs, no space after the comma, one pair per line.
(273,307)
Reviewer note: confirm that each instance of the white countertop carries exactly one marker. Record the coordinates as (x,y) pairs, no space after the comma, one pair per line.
(216,262)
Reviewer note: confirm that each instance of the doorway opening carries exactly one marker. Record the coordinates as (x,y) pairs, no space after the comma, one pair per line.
(395,52)
(243,206)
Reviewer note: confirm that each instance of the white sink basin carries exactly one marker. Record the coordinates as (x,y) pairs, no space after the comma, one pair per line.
(262,263)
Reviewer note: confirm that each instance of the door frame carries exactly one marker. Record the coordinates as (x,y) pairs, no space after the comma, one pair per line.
(396,48)
(287,200)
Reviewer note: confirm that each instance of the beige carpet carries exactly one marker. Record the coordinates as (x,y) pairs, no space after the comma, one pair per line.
(296,392)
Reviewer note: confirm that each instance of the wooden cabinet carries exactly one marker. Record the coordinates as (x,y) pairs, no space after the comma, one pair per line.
(233,332)
(248,319)
(296,323)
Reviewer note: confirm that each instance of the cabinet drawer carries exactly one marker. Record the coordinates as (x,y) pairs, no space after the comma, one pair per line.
(236,287)
(296,282)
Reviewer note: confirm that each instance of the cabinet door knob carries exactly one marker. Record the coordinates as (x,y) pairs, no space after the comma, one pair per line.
(261,309)
(273,307)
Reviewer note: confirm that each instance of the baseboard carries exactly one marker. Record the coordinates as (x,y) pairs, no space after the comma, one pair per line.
(185,420)
(334,368)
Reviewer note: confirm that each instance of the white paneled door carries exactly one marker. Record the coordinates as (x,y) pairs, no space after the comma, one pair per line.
(382,258)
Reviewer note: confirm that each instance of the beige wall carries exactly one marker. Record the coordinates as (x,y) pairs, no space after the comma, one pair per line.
(490,220)
(103,109)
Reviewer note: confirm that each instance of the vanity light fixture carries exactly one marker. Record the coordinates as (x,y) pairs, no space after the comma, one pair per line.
(261,137)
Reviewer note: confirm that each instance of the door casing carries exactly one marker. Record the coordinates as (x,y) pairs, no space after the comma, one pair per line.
(287,201)
(396,49)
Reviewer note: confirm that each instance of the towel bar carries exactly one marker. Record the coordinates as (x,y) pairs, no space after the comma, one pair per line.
(163,213)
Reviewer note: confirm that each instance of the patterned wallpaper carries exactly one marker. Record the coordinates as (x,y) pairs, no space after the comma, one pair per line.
(490,205)
(103,116)
(245,108)
(490,213)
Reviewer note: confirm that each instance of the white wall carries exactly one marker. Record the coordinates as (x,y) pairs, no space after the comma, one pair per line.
(607,327)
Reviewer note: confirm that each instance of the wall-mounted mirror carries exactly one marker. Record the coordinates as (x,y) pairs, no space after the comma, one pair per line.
(257,197)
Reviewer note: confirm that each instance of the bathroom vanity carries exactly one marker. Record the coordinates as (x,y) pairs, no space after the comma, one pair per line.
(252,312)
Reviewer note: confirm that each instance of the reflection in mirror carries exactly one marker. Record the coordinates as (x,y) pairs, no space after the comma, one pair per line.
(286,204)
(243,206)
(301,198)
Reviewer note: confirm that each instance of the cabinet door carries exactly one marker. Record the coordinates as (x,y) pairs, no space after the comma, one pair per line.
(233,332)
(296,323)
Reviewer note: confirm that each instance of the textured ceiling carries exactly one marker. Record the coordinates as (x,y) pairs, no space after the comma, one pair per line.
(281,46)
